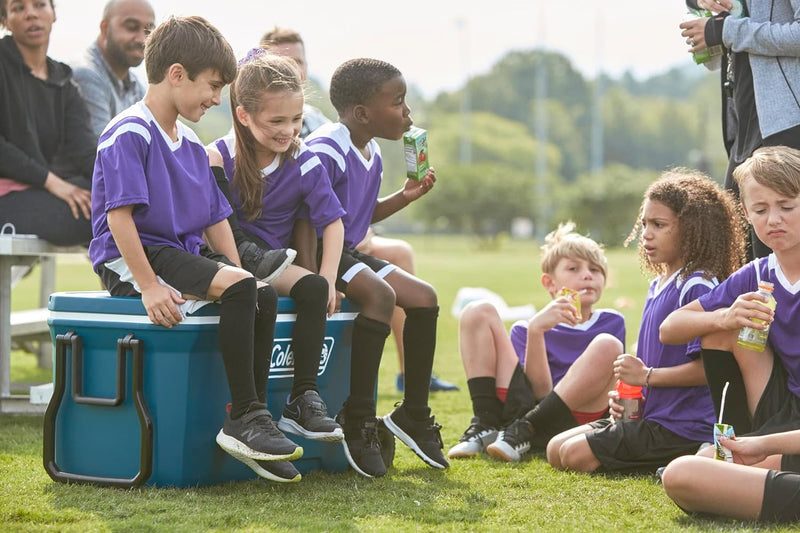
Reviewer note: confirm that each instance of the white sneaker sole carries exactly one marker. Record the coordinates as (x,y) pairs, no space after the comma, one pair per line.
(241,451)
(266,474)
(290,256)
(287,425)
(502,451)
(406,439)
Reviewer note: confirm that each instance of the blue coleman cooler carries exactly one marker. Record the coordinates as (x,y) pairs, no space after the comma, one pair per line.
(134,403)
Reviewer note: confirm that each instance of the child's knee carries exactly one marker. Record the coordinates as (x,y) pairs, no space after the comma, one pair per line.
(572,454)
(553,452)
(677,477)
(378,301)
(476,314)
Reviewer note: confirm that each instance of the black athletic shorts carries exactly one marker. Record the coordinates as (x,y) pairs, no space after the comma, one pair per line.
(353,262)
(188,273)
(636,445)
(777,411)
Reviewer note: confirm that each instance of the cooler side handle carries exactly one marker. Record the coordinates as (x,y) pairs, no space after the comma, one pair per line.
(73,341)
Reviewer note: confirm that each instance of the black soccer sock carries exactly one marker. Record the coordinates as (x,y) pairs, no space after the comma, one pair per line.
(264,338)
(485,403)
(310,296)
(222,182)
(551,416)
(369,337)
(236,321)
(721,367)
(419,341)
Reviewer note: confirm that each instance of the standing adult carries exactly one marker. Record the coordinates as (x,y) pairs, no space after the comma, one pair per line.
(760,76)
(47,148)
(105,75)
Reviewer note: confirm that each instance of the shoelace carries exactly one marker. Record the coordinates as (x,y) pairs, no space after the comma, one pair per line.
(369,432)
(475,429)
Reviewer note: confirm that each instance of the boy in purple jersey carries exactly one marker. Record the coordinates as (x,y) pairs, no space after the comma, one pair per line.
(369,96)
(273,177)
(560,355)
(769,185)
(154,200)
(690,237)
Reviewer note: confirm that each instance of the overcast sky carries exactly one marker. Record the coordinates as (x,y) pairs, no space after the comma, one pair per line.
(435,43)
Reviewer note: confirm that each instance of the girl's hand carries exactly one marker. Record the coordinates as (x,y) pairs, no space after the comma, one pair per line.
(747,306)
(630,369)
(79,200)
(413,190)
(614,408)
(746,450)
(556,312)
(333,297)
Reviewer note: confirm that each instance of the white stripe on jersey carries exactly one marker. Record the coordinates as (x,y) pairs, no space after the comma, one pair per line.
(695,281)
(332,152)
(132,127)
(308,165)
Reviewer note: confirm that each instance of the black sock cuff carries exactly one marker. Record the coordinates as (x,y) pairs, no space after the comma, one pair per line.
(373,325)
(421,313)
(482,386)
(267,299)
(549,410)
(311,287)
(244,289)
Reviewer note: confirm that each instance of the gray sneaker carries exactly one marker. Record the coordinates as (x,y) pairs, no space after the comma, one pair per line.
(254,436)
(265,265)
(278,471)
(307,416)
(474,440)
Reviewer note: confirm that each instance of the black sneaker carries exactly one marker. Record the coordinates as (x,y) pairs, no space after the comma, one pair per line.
(474,440)
(386,441)
(308,417)
(361,445)
(254,436)
(279,471)
(512,442)
(423,437)
(265,265)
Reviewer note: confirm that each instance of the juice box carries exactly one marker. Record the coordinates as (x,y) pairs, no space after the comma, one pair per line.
(572,297)
(415,147)
(722,453)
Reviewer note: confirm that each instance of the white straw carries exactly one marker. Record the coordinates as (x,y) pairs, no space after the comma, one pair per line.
(722,403)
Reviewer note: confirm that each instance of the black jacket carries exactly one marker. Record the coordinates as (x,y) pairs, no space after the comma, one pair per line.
(44,125)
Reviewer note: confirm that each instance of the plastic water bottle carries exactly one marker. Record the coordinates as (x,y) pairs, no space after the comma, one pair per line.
(630,397)
(708,53)
(753,338)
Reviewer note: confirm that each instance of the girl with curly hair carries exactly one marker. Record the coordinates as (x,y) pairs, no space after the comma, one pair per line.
(690,237)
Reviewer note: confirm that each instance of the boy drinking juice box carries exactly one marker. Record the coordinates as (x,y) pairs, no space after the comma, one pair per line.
(415,146)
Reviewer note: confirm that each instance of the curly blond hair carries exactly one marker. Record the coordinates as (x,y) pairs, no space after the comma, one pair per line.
(710,224)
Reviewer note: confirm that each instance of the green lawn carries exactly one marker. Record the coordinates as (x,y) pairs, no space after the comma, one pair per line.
(473,495)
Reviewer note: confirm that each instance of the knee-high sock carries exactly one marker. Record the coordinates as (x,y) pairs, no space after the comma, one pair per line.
(551,416)
(485,403)
(236,322)
(369,337)
(721,367)
(264,338)
(419,341)
(310,296)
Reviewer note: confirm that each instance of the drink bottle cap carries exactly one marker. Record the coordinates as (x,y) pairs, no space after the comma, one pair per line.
(628,391)
(766,285)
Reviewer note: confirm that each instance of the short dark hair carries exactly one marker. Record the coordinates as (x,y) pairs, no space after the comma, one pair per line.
(278,35)
(357,80)
(4,9)
(194,43)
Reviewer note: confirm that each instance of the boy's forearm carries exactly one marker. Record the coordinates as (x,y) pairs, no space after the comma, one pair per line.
(787,443)
(689,374)
(537,368)
(389,205)
(126,237)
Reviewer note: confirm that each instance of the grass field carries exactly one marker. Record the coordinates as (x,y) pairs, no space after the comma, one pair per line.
(473,495)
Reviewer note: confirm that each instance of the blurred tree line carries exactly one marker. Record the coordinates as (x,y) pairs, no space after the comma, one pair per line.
(509,145)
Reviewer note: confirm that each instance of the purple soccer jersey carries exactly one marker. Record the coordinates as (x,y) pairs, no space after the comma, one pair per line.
(565,343)
(355,179)
(169,183)
(293,186)
(783,333)
(685,411)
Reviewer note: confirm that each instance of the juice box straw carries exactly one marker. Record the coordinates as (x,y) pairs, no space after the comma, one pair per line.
(722,403)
